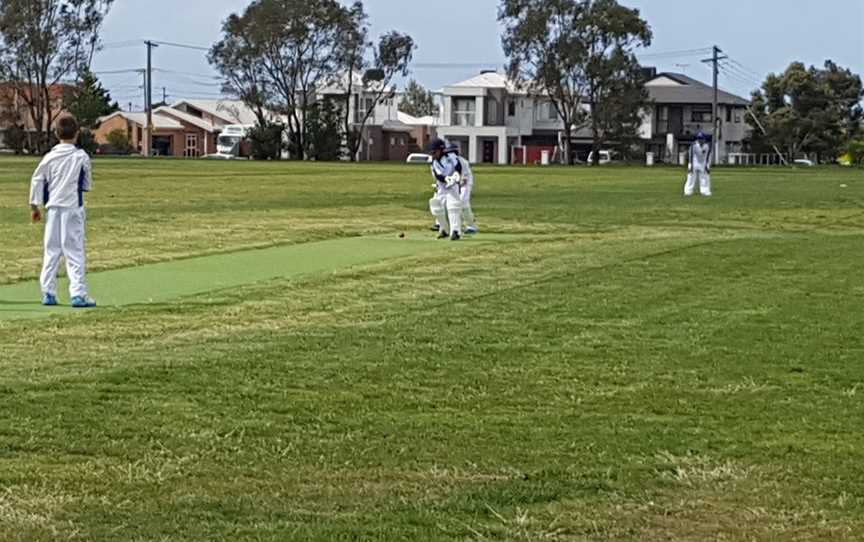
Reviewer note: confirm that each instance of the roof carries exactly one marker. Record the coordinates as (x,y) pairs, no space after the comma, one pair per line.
(396,126)
(485,80)
(230,111)
(339,84)
(410,120)
(187,118)
(679,89)
(159,121)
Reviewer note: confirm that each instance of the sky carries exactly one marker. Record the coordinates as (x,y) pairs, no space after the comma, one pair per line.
(759,36)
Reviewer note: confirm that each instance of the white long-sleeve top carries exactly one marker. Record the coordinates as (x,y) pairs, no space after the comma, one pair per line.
(700,157)
(467,174)
(61,178)
(443,168)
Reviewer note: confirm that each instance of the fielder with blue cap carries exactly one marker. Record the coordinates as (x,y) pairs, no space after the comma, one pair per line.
(699,166)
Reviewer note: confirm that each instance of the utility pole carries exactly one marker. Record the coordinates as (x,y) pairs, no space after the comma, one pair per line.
(715,118)
(165,95)
(148,99)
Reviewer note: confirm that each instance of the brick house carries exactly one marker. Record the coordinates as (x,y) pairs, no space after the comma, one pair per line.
(189,128)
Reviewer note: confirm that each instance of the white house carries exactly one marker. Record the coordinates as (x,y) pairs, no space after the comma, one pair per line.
(493,121)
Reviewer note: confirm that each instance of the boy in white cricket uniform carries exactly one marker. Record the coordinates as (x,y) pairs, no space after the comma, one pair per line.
(465,191)
(446,204)
(58,184)
(699,167)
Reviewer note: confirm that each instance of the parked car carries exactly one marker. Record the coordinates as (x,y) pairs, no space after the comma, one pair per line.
(418,158)
(804,162)
(606,157)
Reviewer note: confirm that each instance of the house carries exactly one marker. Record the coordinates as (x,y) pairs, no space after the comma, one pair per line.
(388,134)
(495,121)
(15,112)
(681,107)
(487,116)
(188,128)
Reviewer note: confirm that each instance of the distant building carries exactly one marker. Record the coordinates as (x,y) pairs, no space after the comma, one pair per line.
(188,128)
(494,121)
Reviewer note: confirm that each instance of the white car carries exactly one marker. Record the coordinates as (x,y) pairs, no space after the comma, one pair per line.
(804,162)
(418,158)
(606,157)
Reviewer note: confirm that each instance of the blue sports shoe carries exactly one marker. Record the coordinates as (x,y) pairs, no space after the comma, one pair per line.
(49,300)
(82,302)
(472,229)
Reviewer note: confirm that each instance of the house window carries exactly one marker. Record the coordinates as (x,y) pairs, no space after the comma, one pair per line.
(728,114)
(546,112)
(464,112)
(511,108)
(392,141)
(701,114)
(738,116)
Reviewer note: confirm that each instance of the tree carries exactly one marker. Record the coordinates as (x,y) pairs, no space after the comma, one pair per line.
(364,84)
(238,58)
(43,42)
(266,141)
(807,111)
(576,53)
(417,101)
(391,58)
(322,129)
(278,52)
(89,101)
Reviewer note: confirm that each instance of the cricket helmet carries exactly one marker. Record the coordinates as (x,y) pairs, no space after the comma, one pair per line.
(437,144)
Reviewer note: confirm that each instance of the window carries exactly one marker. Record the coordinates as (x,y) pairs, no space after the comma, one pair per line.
(546,112)
(701,114)
(511,108)
(728,114)
(392,141)
(738,116)
(464,112)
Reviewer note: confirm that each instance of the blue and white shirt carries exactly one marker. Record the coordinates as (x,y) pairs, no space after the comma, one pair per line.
(700,157)
(61,178)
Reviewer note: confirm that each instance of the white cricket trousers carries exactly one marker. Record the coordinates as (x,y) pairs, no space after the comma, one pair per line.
(704,180)
(467,212)
(64,238)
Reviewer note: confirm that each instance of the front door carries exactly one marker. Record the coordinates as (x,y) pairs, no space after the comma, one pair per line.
(488,152)
(191,146)
(676,120)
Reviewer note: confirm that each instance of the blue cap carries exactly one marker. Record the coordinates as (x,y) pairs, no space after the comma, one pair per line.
(437,144)
(700,136)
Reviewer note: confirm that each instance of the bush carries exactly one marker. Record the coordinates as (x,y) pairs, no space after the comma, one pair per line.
(266,141)
(118,140)
(856,153)
(87,142)
(15,139)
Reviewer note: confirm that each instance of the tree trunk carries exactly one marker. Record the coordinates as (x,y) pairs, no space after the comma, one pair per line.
(568,145)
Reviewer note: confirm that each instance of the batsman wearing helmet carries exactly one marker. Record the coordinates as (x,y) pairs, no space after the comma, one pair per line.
(699,167)
(446,204)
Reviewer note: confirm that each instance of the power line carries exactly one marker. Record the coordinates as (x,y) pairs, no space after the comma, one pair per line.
(182,45)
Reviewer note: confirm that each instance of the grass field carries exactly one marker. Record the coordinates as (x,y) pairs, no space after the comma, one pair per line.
(606,361)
